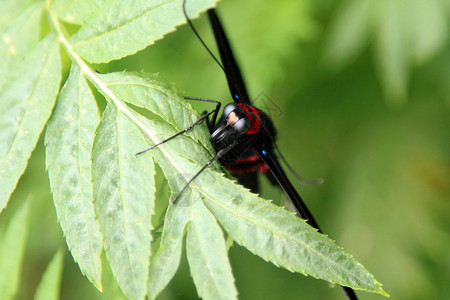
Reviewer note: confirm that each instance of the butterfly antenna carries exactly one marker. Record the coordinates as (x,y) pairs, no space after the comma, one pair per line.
(291,169)
(298,177)
(199,38)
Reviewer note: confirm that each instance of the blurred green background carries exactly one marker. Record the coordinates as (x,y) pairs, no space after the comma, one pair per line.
(363,91)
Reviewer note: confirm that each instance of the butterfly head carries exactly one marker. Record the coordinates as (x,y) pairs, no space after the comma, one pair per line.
(235,123)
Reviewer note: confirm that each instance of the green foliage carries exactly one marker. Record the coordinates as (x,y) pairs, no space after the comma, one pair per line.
(207,255)
(165,262)
(124,191)
(19,37)
(252,222)
(121,28)
(404,33)
(27,99)
(69,138)
(105,197)
(49,286)
(12,250)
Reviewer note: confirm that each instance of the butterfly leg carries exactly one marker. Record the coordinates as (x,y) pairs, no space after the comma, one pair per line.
(211,123)
(190,127)
(218,155)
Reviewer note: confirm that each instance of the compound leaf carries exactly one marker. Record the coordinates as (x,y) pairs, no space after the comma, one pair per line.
(25,105)
(265,229)
(207,256)
(124,27)
(69,139)
(12,250)
(19,36)
(50,284)
(165,262)
(80,11)
(124,191)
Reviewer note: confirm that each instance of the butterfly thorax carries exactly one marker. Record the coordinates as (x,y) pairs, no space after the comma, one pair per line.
(259,134)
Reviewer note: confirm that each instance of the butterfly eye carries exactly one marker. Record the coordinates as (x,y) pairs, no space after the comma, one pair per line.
(229,109)
(242,125)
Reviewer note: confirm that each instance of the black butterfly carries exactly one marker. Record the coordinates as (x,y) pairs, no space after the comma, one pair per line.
(244,136)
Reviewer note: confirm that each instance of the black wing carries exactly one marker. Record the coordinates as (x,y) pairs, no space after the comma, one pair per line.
(234,77)
(271,161)
(249,180)
(235,84)
(274,166)
(239,94)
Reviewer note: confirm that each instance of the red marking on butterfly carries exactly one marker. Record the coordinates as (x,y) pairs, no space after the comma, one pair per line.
(253,116)
(247,165)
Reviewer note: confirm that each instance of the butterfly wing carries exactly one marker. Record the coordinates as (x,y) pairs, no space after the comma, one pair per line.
(235,83)
(240,95)
(278,173)
(232,71)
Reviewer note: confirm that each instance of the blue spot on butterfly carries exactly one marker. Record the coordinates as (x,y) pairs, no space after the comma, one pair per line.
(264,152)
(236,96)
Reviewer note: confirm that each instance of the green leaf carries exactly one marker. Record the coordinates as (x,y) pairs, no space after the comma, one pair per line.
(180,158)
(78,12)
(267,230)
(69,139)
(349,32)
(25,105)
(111,288)
(392,53)
(12,249)
(124,191)
(405,33)
(165,262)
(207,256)
(50,284)
(19,36)
(265,40)
(151,92)
(9,9)
(125,27)
(281,237)
(429,28)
